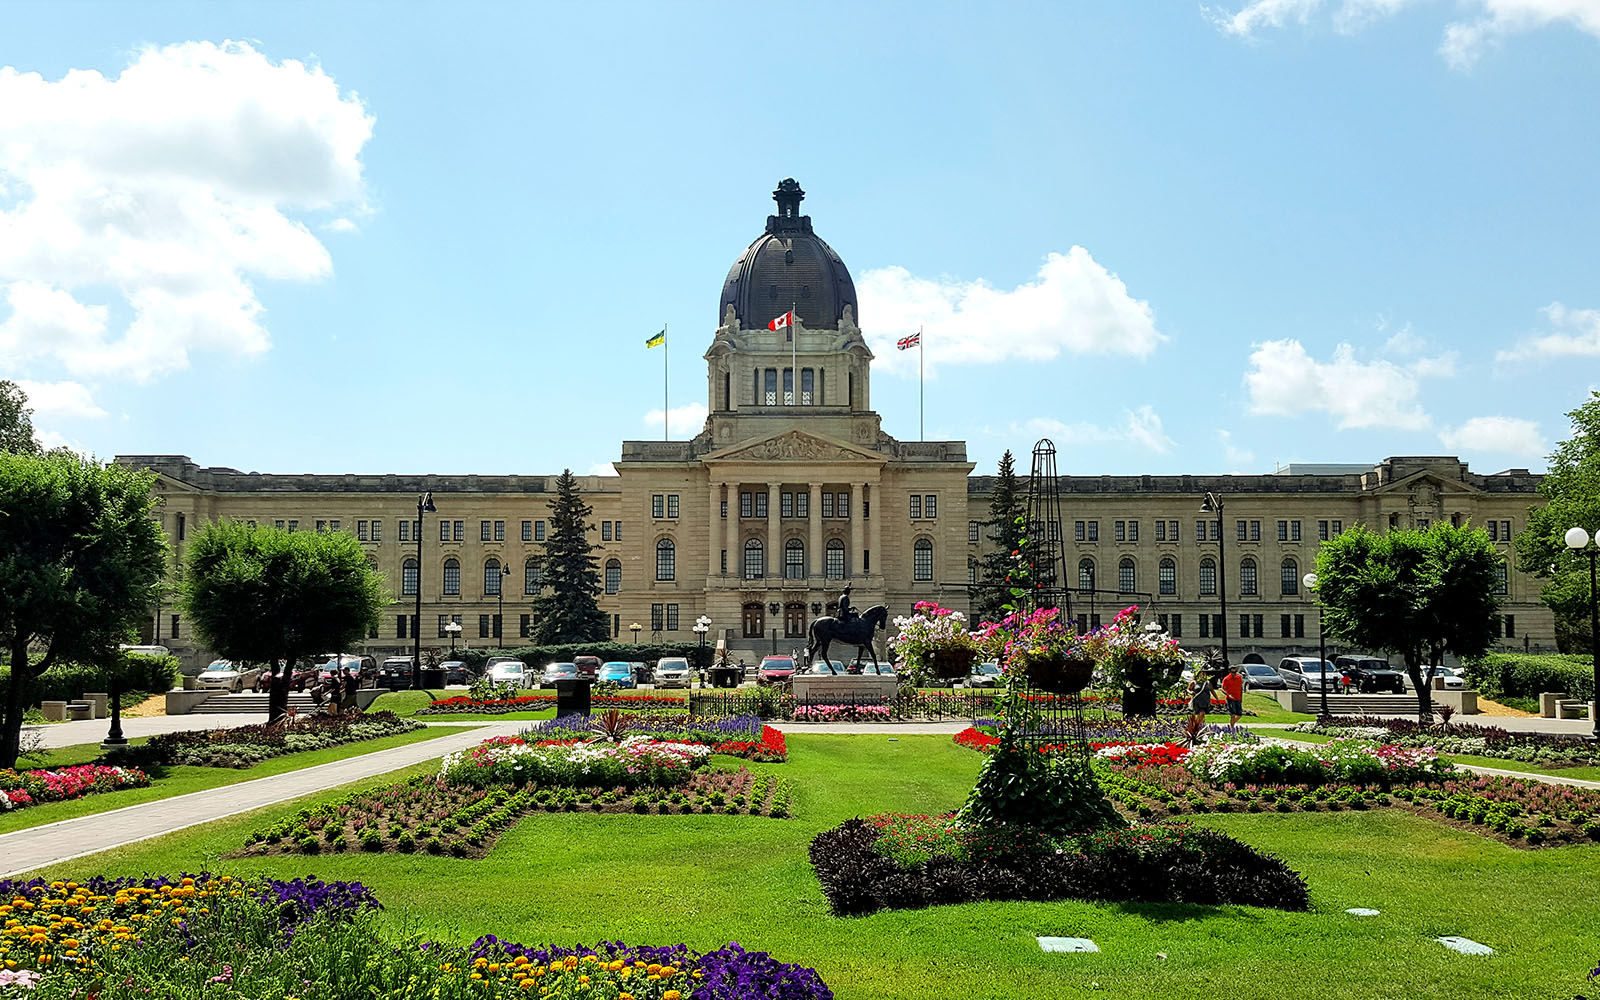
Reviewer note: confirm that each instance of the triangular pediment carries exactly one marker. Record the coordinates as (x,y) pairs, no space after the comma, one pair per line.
(795,446)
(1425,482)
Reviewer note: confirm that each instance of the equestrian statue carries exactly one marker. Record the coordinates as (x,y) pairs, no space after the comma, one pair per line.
(847,627)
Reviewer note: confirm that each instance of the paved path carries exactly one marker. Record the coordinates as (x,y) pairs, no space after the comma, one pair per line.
(54,843)
(66,734)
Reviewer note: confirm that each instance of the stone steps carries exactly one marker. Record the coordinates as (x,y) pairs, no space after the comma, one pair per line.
(237,704)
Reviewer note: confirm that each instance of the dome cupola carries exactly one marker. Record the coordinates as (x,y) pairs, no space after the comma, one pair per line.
(787,267)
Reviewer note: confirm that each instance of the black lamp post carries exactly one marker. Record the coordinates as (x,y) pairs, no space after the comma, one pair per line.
(1213,505)
(115,741)
(424,506)
(499,626)
(634,628)
(1578,541)
(702,625)
(1310,580)
(453,628)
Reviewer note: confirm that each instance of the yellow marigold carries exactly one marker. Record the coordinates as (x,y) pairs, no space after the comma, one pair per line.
(527,984)
(653,968)
(672,995)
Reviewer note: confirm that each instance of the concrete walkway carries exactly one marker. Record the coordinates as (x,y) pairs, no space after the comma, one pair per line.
(65,734)
(54,843)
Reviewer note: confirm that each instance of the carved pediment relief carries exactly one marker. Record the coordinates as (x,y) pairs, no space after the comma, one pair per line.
(1424,488)
(795,446)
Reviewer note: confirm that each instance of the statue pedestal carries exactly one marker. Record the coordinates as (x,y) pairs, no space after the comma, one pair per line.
(844,689)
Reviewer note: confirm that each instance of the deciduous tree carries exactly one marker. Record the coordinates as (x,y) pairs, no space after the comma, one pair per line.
(16,421)
(1571,491)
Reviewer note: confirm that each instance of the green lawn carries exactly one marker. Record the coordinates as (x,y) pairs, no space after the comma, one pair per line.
(707,880)
(1504,763)
(182,779)
(1266,708)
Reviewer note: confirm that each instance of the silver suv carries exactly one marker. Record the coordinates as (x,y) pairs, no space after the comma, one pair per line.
(1307,673)
(672,671)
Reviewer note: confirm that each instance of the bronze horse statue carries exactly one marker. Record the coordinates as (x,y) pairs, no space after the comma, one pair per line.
(859,632)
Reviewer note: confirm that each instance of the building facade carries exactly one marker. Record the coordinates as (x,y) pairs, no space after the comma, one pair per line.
(792,489)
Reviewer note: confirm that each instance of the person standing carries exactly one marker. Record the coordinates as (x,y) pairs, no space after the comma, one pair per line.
(1199,703)
(1233,690)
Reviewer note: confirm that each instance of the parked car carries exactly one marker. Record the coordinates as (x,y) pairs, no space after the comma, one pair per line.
(506,670)
(1455,678)
(1307,673)
(300,676)
(558,672)
(225,675)
(986,674)
(394,673)
(672,671)
(641,672)
(341,665)
(588,666)
(1371,674)
(456,672)
(1260,677)
(619,672)
(775,669)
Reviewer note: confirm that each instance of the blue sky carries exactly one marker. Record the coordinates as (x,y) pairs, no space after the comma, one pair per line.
(433,238)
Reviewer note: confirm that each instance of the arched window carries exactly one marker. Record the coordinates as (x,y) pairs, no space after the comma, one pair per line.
(1126,577)
(408,578)
(755,566)
(835,559)
(1247,577)
(1500,578)
(533,576)
(1289,576)
(613,575)
(491,577)
(452,577)
(1085,574)
(794,560)
(922,561)
(1208,576)
(1167,577)
(666,560)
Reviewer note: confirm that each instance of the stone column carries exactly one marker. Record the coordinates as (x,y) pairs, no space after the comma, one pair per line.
(876,532)
(774,535)
(731,542)
(814,512)
(856,534)
(713,534)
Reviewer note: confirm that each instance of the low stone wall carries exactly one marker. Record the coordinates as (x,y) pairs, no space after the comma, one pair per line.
(182,702)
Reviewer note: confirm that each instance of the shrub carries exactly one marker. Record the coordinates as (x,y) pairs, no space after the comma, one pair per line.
(1527,675)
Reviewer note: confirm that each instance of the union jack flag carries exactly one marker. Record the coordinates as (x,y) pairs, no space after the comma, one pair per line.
(905,343)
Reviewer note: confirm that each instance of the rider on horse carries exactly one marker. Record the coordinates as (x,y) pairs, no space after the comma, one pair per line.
(846,612)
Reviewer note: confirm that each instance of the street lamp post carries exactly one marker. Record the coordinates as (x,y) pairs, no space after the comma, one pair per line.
(1310,580)
(702,625)
(453,629)
(424,506)
(1213,505)
(1578,541)
(634,628)
(500,619)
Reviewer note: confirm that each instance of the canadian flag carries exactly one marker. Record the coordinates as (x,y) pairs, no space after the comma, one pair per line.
(786,320)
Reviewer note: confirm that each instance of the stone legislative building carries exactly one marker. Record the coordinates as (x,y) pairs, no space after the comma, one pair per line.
(792,489)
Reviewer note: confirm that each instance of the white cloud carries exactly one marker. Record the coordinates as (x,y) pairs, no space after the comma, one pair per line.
(601,469)
(682,421)
(1500,435)
(1074,305)
(1582,342)
(1141,427)
(157,195)
(1464,41)
(1284,380)
(1232,455)
(53,400)
(342,225)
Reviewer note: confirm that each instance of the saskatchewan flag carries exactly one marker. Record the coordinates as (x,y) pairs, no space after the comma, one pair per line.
(658,339)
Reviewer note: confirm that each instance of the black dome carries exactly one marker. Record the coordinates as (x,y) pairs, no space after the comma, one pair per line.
(786,266)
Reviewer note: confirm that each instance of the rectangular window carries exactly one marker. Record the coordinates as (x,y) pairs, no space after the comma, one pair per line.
(827,505)
(174,633)
(294,525)
(460,530)
(724,510)
(361,531)
(1216,626)
(1294,531)
(672,618)
(443,621)
(1205,627)
(1200,531)
(527,531)
(1511,626)
(399,626)
(672,505)
(658,506)
(724,561)
(1299,626)
(377,531)
(770,383)
(972,531)
(761,505)
(1133,531)
(1244,626)
(405,530)
(483,531)
(1338,528)
(616,531)
(866,560)
(483,626)
(1172,531)
(182,527)
(802,505)
(1283,531)
(1494,531)
(333,525)
(1505,531)
(499,531)
(1120,531)
(1177,627)
(786,505)
(1094,531)
(1161,531)
(930,505)
(497,633)
(322,526)
(657,615)
(1241,530)
(278,525)
(605,531)
(807,381)
(916,505)
(538,531)
(1256,620)
(1216,532)
(747,505)
(1322,531)
(1283,626)
(525,627)
(444,531)
(1078,531)
(1255,531)
(841,504)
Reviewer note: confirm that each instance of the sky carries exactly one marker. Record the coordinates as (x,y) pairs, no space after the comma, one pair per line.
(433,238)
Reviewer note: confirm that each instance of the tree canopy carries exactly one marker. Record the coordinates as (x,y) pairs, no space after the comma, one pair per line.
(80,562)
(1413,594)
(568,609)
(1571,491)
(1007,511)
(16,421)
(260,595)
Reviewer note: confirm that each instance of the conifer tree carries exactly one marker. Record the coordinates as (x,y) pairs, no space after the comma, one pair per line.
(1007,507)
(567,610)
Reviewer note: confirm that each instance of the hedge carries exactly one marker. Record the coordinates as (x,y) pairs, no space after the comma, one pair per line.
(538,656)
(1527,675)
(71,681)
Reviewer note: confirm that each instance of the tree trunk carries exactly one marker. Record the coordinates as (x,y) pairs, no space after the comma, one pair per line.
(11,724)
(1421,685)
(278,692)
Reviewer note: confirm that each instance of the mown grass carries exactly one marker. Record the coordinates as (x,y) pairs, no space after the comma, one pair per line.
(707,880)
(1503,763)
(183,779)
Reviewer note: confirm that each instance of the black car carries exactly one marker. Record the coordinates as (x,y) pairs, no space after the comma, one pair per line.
(456,672)
(1371,674)
(395,673)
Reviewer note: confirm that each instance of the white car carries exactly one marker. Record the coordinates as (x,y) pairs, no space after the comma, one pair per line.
(504,670)
(225,675)
(672,671)
(1455,678)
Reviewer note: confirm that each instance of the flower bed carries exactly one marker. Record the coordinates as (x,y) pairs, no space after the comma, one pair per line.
(983,733)
(1338,761)
(842,713)
(634,762)
(19,789)
(868,865)
(738,736)
(463,705)
(246,746)
(431,816)
(205,936)
(1465,738)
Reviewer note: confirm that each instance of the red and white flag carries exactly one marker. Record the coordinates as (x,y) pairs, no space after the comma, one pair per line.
(786,320)
(906,343)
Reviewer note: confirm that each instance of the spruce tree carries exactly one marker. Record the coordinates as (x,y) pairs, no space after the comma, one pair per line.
(1007,508)
(567,610)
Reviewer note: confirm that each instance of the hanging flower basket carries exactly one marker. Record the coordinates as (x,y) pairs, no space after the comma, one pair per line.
(951,664)
(1058,673)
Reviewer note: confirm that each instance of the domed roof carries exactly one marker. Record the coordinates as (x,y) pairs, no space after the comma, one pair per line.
(786,266)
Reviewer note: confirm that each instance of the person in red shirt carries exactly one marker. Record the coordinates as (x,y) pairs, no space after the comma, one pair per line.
(1233,690)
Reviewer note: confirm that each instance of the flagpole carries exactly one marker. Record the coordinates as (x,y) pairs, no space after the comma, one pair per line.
(794,355)
(666,434)
(921,393)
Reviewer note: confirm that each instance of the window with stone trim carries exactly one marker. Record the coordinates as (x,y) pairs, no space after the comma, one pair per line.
(1208,577)
(930,505)
(834,564)
(922,561)
(1167,576)
(452,577)
(1247,577)
(1085,574)
(408,578)
(1127,576)
(794,559)
(613,576)
(916,505)
(1289,577)
(973,529)
(666,560)
(533,576)
(491,577)
(755,567)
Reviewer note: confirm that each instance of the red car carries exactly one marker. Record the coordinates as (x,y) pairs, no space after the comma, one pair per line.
(775,669)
